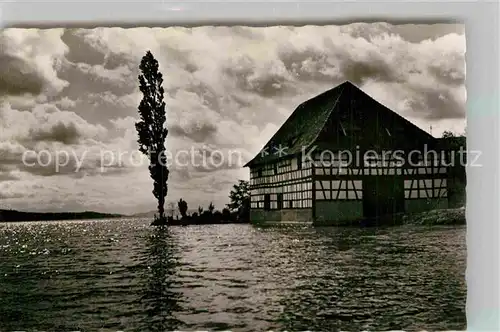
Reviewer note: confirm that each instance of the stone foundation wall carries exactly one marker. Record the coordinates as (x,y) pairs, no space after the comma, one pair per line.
(285,215)
(421,205)
(338,212)
(456,193)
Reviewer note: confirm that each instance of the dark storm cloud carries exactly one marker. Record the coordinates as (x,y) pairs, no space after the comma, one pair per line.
(92,52)
(31,163)
(28,65)
(360,71)
(18,77)
(96,79)
(272,81)
(66,133)
(81,50)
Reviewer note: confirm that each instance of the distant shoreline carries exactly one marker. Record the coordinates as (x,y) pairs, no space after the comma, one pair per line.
(19,216)
(433,217)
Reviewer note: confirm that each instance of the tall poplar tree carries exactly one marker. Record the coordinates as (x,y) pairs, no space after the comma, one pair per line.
(151,128)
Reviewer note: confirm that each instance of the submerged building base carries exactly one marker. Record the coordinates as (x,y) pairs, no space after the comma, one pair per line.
(343,213)
(281,216)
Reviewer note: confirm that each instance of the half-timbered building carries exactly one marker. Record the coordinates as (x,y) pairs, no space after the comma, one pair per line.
(341,157)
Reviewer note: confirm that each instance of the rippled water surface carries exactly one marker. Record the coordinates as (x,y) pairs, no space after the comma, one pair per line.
(126,275)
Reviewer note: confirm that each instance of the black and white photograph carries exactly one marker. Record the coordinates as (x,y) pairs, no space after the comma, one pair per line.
(234,178)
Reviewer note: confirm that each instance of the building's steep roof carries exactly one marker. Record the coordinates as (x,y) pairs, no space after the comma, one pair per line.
(308,120)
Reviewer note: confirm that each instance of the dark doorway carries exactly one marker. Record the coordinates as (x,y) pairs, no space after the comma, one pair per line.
(267,202)
(382,196)
(280,201)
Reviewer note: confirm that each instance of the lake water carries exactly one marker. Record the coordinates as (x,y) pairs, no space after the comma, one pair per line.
(126,275)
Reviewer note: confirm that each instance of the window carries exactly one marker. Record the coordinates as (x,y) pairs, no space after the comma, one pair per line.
(291,204)
(259,172)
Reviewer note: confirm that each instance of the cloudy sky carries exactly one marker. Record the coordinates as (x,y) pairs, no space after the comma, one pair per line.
(75,92)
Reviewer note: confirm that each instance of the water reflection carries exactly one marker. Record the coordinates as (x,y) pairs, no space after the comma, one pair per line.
(372,277)
(160,298)
(124,275)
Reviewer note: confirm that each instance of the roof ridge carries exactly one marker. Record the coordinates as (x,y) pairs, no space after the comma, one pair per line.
(296,116)
(327,117)
(293,115)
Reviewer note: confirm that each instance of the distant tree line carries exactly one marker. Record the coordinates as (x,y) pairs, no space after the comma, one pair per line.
(237,211)
(453,141)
